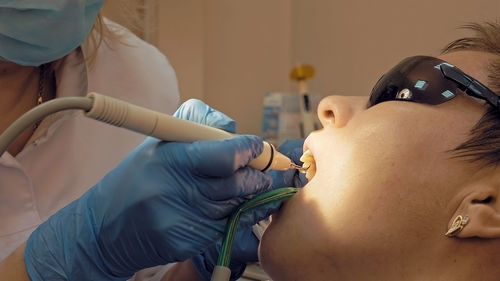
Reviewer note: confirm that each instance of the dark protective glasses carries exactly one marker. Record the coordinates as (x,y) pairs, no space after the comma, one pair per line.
(428,80)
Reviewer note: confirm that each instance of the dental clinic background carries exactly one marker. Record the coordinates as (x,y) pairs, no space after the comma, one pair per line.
(229,53)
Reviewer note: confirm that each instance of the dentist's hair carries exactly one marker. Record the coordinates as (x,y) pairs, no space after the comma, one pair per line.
(483,145)
(132,12)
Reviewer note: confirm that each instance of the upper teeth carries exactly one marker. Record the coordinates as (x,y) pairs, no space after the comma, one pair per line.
(309,164)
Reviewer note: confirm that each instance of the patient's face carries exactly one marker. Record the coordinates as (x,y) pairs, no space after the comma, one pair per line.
(381,191)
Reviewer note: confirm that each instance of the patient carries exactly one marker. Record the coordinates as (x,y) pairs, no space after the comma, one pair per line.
(406,184)
(394,176)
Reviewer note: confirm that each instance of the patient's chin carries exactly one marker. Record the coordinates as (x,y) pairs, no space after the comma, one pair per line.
(275,257)
(269,257)
(285,245)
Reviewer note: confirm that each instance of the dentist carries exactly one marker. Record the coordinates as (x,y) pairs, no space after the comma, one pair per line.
(164,202)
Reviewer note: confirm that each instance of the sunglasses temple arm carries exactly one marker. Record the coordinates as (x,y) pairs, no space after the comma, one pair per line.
(470,86)
(479,90)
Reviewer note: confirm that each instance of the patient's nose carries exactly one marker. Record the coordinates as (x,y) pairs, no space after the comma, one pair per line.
(338,110)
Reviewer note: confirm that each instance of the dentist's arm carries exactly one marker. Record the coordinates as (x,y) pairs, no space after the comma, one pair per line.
(13,268)
(165,202)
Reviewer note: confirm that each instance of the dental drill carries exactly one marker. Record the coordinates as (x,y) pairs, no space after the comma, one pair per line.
(169,128)
(142,120)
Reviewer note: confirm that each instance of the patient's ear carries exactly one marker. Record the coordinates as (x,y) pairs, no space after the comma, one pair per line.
(482,207)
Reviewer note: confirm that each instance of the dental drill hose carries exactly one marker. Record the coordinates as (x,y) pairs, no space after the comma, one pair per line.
(141,120)
(38,113)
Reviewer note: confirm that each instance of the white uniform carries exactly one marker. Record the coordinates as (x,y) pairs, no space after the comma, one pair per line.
(69,153)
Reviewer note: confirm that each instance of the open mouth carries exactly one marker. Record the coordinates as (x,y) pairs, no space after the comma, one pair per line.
(309,164)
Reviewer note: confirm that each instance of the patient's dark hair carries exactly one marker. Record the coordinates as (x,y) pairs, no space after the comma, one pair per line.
(483,144)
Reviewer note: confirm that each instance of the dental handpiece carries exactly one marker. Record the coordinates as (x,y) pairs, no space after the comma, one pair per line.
(165,127)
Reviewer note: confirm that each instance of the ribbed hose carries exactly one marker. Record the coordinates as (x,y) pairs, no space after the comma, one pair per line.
(38,113)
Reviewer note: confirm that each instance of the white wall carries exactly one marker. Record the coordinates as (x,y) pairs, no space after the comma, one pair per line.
(230,52)
(181,36)
(247,53)
(352,42)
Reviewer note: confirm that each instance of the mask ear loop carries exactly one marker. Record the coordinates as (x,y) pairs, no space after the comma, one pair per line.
(222,271)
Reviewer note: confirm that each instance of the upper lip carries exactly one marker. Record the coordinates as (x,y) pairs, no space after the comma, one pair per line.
(309,143)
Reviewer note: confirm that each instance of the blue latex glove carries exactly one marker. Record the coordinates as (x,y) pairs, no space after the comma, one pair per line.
(205,262)
(165,202)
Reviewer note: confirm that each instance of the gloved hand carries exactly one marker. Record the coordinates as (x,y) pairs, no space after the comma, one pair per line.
(165,202)
(197,111)
(246,243)
(245,246)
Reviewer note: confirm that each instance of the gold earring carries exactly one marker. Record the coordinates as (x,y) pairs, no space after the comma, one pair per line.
(457,225)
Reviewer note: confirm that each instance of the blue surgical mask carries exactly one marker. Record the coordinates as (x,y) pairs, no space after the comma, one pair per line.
(34,32)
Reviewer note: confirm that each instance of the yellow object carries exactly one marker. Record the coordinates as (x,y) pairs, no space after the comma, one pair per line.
(302,72)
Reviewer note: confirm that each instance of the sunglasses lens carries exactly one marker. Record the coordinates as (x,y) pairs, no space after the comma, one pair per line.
(417,79)
(385,89)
